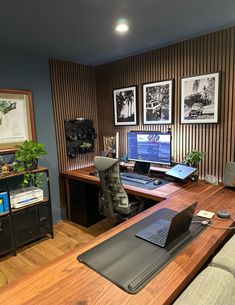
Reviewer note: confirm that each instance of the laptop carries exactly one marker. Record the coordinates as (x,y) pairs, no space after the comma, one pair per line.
(162,232)
(181,171)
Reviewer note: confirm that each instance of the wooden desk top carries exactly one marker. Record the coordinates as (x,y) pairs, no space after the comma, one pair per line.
(66,281)
(160,193)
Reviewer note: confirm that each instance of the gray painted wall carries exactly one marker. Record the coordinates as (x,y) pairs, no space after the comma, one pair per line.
(23,70)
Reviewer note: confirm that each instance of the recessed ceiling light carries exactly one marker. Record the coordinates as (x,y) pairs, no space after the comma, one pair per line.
(122,26)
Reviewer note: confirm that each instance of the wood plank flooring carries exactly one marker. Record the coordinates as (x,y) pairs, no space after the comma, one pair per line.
(68,236)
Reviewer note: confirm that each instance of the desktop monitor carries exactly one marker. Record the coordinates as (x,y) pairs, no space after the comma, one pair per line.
(149,147)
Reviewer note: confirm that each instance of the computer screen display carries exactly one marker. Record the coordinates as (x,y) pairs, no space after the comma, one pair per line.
(149,146)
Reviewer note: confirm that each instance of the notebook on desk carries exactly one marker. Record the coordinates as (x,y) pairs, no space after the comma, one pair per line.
(163,232)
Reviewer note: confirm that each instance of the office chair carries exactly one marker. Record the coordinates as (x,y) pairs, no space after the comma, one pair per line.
(113,199)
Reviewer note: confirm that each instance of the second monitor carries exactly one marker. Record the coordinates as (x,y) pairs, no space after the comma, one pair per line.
(146,147)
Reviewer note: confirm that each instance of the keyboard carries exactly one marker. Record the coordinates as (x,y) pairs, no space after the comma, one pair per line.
(138,178)
(160,236)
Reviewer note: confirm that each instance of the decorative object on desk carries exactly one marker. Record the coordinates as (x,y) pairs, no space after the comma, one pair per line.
(157,102)
(193,159)
(16,119)
(124,158)
(27,157)
(125,106)
(200,98)
(80,136)
(211,179)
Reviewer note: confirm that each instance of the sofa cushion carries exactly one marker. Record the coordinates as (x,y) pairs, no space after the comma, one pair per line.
(226,257)
(213,286)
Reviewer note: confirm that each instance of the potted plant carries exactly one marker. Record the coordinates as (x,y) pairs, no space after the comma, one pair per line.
(85,147)
(193,159)
(27,157)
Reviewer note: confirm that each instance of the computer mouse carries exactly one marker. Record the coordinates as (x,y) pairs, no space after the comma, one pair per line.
(95,173)
(157,182)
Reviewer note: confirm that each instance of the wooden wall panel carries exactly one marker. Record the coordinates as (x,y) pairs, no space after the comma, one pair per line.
(74,96)
(205,54)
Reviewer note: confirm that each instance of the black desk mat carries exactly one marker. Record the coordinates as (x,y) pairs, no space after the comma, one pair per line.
(130,262)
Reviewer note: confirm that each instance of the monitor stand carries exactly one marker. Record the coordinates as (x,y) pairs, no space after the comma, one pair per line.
(142,167)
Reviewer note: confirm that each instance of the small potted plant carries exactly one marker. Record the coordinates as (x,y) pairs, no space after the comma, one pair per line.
(85,147)
(27,157)
(193,159)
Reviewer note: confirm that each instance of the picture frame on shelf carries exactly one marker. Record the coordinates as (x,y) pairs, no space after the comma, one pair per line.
(200,98)
(125,106)
(17,122)
(157,102)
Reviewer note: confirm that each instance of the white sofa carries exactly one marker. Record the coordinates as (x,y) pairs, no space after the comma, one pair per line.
(215,285)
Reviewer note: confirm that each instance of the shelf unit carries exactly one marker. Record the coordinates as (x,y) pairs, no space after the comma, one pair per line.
(28,223)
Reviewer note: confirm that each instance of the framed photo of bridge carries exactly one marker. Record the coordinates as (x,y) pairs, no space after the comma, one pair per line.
(17,122)
(125,106)
(200,99)
(157,102)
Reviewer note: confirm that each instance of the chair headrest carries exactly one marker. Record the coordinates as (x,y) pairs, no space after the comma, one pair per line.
(104,163)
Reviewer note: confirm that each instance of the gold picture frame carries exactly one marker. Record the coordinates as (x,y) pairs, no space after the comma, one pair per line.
(109,143)
(17,122)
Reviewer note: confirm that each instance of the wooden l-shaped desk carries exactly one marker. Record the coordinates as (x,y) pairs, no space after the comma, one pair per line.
(66,281)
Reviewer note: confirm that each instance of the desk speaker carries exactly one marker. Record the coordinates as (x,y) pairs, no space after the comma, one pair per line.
(229,174)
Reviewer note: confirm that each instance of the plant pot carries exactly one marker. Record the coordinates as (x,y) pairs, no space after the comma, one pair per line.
(33,166)
(195,176)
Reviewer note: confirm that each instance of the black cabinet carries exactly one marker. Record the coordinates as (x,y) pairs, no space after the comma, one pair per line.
(27,223)
(31,223)
(6,236)
(84,203)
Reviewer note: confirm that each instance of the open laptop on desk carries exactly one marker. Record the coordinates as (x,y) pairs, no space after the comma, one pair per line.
(181,171)
(162,232)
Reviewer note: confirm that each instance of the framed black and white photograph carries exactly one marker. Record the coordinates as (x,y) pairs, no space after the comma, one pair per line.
(157,102)
(200,98)
(125,106)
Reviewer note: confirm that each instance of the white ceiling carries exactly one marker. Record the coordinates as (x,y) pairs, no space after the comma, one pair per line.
(83,30)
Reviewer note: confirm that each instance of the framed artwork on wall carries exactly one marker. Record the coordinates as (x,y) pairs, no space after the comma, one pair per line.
(157,102)
(17,122)
(125,106)
(200,98)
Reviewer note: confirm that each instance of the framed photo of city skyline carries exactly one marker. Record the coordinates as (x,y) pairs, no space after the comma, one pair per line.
(157,102)
(125,106)
(200,99)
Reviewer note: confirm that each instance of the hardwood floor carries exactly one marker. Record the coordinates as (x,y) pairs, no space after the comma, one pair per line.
(68,236)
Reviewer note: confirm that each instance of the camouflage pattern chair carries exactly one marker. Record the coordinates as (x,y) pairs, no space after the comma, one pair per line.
(114,201)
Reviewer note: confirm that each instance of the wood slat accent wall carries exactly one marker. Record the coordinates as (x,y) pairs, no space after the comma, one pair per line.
(74,96)
(205,54)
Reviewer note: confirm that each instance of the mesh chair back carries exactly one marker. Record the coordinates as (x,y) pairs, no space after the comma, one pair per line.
(113,200)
